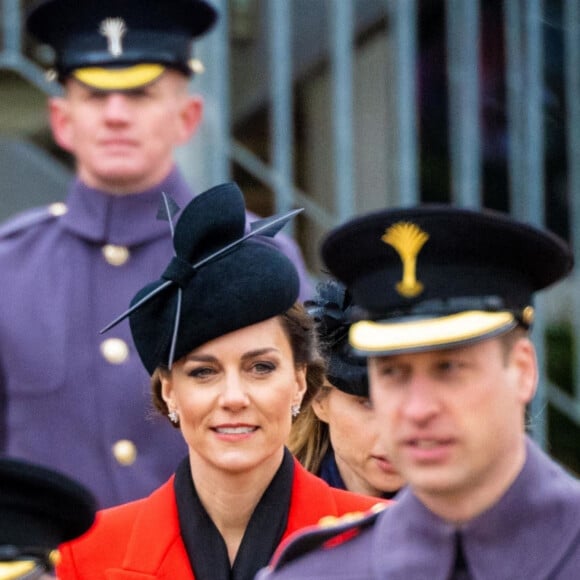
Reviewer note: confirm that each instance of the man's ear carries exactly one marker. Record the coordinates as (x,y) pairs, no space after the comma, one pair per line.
(191,115)
(59,118)
(523,357)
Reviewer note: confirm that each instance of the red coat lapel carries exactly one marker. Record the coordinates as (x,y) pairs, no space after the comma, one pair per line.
(154,547)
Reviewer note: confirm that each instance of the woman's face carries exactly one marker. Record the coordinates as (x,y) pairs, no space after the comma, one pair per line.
(234,396)
(361,460)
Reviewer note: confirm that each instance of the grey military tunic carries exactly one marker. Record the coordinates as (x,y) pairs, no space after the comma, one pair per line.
(532,533)
(70,398)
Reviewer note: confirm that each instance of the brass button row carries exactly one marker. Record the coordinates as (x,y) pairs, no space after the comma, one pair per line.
(114,350)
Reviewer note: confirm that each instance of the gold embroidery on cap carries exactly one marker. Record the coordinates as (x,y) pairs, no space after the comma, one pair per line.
(407,239)
(113,29)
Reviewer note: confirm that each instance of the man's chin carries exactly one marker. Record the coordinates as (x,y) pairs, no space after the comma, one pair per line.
(124,179)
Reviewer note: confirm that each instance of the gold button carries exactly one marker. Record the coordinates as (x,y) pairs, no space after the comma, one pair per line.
(125,452)
(57,209)
(54,558)
(115,255)
(51,75)
(528,315)
(196,66)
(115,350)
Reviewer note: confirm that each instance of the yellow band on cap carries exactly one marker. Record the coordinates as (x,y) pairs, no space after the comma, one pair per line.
(428,333)
(119,79)
(14,570)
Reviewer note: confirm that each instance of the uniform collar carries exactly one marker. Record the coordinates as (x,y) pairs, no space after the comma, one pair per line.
(126,220)
(524,535)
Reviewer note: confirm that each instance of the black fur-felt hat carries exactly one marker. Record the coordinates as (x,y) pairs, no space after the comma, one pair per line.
(332,309)
(223,277)
(435,276)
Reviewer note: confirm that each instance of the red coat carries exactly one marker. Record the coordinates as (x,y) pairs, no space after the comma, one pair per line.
(141,540)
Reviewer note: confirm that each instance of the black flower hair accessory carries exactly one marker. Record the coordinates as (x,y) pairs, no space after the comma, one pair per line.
(333,311)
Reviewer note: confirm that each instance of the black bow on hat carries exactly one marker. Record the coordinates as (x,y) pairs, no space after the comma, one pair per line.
(221,278)
(332,309)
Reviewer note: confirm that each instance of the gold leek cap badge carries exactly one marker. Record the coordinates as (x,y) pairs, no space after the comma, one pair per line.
(407,239)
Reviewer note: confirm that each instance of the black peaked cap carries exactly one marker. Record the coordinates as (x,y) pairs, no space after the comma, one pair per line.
(428,266)
(154,31)
(40,508)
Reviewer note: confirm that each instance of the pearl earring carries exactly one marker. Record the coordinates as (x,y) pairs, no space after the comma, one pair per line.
(173,416)
(295,409)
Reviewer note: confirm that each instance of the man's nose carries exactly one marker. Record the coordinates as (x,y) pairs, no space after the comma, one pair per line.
(117,107)
(421,402)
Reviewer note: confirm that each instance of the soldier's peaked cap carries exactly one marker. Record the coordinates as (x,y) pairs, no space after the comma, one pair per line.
(39,509)
(434,275)
(120,44)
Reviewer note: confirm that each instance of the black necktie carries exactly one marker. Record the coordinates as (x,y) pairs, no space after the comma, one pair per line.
(460,568)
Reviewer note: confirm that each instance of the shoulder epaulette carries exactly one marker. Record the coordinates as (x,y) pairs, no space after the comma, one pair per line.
(330,532)
(31,217)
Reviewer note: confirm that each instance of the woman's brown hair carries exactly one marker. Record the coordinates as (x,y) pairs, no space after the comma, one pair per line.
(310,437)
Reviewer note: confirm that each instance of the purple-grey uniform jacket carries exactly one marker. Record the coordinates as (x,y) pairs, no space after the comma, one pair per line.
(532,533)
(71,398)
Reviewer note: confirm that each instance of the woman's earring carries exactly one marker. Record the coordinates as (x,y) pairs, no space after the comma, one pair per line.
(173,416)
(295,409)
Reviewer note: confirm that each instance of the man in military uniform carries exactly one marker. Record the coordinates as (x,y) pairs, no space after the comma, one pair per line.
(447,294)
(70,398)
(39,509)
